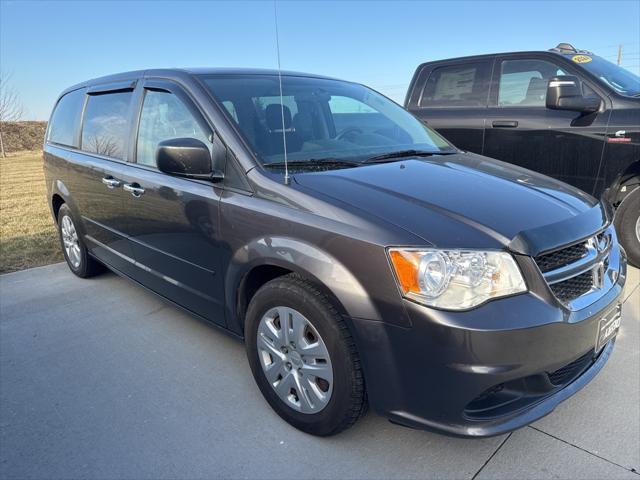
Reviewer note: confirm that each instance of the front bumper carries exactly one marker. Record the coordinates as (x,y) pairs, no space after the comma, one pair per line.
(486,371)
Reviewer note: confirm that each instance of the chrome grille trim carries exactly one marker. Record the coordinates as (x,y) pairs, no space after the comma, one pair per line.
(601,258)
(593,257)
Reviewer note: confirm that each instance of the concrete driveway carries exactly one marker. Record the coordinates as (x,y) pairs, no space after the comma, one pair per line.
(99,379)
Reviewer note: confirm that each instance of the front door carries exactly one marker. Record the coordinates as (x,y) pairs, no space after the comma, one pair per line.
(454,100)
(521,130)
(172,221)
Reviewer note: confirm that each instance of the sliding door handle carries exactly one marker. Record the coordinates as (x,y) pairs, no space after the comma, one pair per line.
(505,123)
(111,182)
(133,188)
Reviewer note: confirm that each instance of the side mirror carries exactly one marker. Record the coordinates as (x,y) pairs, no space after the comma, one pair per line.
(186,157)
(564,92)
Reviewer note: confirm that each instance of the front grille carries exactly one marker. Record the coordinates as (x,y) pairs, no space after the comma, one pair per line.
(573,287)
(578,269)
(560,258)
(571,371)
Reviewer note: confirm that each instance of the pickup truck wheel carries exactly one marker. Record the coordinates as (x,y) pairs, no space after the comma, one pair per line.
(303,357)
(73,248)
(627,223)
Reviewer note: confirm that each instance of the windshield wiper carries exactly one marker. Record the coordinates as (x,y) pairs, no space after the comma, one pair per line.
(315,162)
(406,153)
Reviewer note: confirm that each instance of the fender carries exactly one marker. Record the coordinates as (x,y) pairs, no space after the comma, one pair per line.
(624,183)
(58,187)
(627,186)
(302,258)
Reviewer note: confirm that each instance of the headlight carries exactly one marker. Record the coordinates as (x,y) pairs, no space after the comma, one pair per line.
(455,279)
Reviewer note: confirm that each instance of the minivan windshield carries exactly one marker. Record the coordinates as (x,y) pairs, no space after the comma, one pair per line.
(616,77)
(324,121)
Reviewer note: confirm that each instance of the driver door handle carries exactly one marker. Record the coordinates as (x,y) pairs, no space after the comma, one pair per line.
(133,188)
(111,182)
(505,123)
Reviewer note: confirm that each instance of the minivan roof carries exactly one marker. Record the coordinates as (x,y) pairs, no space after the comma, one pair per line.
(181,72)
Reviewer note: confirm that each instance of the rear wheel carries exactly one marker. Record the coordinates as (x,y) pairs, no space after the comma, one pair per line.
(627,223)
(73,248)
(303,357)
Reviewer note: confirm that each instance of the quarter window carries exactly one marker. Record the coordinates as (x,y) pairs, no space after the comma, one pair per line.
(464,85)
(164,117)
(66,119)
(231,109)
(105,126)
(524,82)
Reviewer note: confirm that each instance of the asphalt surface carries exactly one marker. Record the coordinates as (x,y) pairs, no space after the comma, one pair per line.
(100,379)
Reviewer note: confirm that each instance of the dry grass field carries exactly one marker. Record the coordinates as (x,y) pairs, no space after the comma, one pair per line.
(27,234)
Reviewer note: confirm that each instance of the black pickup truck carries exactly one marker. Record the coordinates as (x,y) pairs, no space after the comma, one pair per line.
(563,112)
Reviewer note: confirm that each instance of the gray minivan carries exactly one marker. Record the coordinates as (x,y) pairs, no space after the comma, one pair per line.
(362,258)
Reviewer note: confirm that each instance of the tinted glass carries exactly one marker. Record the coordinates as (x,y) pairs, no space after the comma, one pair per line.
(616,77)
(464,85)
(66,119)
(322,119)
(231,109)
(106,124)
(164,117)
(523,83)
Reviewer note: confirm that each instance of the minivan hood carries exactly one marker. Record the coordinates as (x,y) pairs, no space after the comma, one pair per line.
(463,200)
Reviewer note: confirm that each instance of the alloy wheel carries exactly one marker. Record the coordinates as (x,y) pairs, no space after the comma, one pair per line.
(70,241)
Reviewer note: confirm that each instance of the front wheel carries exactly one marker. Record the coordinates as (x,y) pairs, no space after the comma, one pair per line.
(627,223)
(303,357)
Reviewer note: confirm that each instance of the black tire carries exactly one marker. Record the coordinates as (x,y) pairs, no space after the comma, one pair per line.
(626,222)
(87,266)
(348,399)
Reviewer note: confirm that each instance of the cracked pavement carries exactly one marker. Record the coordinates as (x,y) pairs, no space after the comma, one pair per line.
(100,379)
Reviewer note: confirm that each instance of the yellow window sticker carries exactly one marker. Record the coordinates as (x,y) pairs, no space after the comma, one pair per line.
(581,58)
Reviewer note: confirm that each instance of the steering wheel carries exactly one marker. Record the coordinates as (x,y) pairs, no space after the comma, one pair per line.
(346,132)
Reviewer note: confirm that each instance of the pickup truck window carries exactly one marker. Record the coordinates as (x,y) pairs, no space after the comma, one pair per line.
(621,80)
(66,119)
(323,119)
(164,117)
(523,83)
(464,85)
(105,127)
(231,108)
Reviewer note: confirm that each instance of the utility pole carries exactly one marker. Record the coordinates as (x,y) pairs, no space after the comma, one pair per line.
(619,54)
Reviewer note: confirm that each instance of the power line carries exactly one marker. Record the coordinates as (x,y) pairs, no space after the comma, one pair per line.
(615,46)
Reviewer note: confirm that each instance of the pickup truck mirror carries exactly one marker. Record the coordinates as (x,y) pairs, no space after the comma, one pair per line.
(564,92)
(186,157)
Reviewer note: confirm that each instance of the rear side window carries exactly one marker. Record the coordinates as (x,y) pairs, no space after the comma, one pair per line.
(66,119)
(463,85)
(105,127)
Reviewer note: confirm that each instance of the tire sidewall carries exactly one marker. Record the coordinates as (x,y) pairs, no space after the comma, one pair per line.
(287,293)
(625,222)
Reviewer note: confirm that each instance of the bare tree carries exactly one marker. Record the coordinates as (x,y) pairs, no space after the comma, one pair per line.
(103,145)
(10,106)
